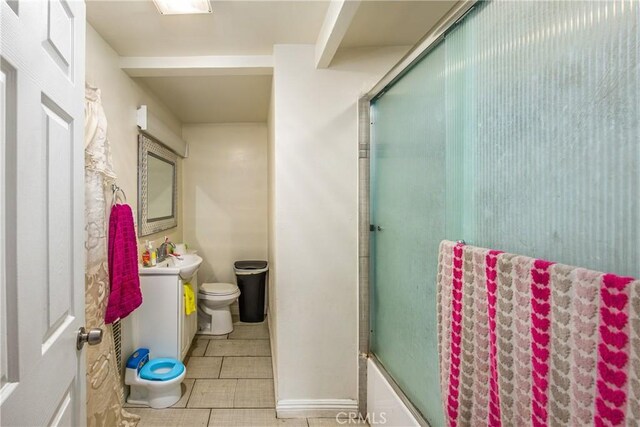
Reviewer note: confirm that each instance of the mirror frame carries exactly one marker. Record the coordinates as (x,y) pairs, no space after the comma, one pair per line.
(146,146)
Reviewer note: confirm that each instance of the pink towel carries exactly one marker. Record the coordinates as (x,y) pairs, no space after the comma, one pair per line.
(125,295)
(524,341)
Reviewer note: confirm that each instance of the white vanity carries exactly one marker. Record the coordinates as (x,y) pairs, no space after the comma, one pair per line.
(161,323)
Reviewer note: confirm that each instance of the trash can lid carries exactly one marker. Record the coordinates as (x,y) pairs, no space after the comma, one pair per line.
(250,268)
(250,265)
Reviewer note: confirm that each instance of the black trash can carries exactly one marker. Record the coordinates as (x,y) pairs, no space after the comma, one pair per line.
(252,280)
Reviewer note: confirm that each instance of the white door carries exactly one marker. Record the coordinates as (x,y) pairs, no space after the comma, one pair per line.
(42,246)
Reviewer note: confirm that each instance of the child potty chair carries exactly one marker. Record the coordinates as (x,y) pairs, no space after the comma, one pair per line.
(156,382)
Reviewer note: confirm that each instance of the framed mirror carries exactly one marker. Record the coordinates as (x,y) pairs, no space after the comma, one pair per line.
(157,186)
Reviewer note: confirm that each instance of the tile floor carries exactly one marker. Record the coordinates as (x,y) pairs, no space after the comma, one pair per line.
(229,383)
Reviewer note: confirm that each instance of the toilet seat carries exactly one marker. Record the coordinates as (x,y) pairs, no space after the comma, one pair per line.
(218,289)
(162,369)
(153,382)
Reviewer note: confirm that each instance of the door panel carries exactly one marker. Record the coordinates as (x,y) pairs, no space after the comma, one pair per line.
(59,41)
(42,249)
(8,306)
(63,416)
(58,144)
(3,280)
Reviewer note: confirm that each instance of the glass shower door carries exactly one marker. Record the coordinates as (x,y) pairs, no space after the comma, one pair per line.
(408,214)
(518,132)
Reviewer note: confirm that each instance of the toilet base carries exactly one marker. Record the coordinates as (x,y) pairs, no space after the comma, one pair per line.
(157,399)
(214,322)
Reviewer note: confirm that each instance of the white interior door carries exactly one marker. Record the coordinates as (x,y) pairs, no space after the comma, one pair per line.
(42,249)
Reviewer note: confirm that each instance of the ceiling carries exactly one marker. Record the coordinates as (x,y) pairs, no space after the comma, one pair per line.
(135,28)
(239,27)
(393,23)
(214,99)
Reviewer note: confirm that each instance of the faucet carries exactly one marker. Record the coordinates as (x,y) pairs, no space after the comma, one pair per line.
(162,249)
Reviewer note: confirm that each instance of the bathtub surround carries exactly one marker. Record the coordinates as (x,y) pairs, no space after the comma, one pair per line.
(385,399)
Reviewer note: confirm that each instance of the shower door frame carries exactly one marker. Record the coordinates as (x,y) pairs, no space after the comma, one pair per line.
(430,41)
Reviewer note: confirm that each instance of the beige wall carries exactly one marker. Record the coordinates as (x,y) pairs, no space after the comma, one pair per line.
(273,308)
(225,196)
(286,190)
(315,220)
(121,96)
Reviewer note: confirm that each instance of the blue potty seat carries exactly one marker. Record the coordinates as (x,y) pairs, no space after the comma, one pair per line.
(162,369)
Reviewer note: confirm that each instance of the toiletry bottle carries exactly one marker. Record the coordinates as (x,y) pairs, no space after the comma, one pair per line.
(146,255)
(154,255)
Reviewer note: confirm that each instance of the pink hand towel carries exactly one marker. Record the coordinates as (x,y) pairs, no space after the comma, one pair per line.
(125,295)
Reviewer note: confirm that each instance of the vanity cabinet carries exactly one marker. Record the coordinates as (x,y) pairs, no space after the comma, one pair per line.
(161,323)
(189,323)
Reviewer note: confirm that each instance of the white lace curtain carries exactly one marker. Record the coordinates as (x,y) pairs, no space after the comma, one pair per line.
(104,405)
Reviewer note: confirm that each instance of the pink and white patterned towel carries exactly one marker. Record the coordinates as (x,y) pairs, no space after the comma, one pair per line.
(524,341)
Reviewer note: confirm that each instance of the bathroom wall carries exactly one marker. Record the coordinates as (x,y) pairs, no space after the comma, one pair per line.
(225,196)
(315,219)
(273,308)
(121,96)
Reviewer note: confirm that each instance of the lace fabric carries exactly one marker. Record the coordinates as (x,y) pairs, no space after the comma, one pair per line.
(104,386)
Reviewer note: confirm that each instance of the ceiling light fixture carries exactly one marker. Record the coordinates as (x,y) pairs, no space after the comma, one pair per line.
(182,7)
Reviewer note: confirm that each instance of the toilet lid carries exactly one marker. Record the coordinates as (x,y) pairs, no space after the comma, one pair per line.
(218,288)
(162,369)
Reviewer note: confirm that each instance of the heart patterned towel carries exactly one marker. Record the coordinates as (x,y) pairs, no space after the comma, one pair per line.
(524,341)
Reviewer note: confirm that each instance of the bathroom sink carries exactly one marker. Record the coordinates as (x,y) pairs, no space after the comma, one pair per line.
(188,265)
(185,266)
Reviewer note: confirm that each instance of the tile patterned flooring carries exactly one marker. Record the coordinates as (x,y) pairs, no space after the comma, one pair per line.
(229,383)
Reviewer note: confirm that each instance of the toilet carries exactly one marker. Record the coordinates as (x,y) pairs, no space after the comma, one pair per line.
(154,382)
(214,314)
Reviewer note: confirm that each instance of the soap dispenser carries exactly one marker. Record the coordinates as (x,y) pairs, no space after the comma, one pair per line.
(154,254)
(146,255)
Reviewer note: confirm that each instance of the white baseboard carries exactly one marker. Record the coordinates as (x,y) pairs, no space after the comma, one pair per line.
(308,408)
(315,408)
